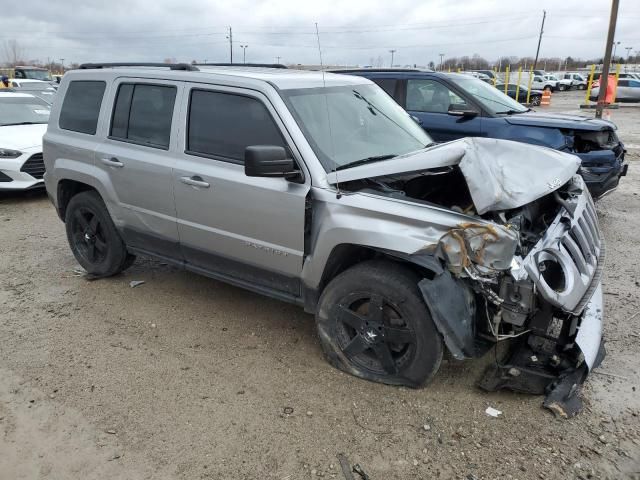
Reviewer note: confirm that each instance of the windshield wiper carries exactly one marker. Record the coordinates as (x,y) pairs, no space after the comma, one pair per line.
(513,112)
(365,160)
(21,123)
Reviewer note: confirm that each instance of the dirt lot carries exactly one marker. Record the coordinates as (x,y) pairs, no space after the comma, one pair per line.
(184,377)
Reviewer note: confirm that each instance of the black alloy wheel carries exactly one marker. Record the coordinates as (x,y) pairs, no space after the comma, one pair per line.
(373,323)
(372,334)
(88,236)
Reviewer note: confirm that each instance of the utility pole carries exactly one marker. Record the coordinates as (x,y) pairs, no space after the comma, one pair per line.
(244,53)
(441,60)
(628,49)
(535,62)
(62,63)
(607,58)
(230,37)
(392,52)
(278,60)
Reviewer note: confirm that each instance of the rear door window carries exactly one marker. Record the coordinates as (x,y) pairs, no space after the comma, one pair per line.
(81,106)
(221,125)
(142,114)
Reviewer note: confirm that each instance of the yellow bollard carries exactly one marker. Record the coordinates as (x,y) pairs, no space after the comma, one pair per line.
(449,69)
(506,79)
(529,85)
(615,90)
(495,76)
(589,84)
(459,69)
(518,85)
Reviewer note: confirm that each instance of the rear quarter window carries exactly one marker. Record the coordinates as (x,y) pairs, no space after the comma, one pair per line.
(81,106)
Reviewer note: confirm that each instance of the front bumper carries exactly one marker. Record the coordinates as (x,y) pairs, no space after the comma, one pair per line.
(589,337)
(12,176)
(602,170)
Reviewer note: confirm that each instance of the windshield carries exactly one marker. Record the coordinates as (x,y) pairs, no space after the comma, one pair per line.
(15,110)
(552,77)
(37,75)
(354,123)
(492,99)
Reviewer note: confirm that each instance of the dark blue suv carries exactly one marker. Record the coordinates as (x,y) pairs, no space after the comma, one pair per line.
(451,106)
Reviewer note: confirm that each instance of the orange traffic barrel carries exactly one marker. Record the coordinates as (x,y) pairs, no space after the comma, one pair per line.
(545,101)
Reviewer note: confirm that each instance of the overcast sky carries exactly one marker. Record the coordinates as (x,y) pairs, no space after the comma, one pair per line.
(351,31)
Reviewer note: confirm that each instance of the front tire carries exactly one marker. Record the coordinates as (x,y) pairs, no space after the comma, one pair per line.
(93,238)
(373,323)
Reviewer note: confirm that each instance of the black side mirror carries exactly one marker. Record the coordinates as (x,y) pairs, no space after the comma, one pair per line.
(462,110)
(269,161)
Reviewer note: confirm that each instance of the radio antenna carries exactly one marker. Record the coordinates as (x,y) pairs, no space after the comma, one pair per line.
(326,103)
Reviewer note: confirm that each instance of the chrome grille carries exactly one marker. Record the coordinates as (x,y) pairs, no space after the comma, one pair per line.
(574,243)
(34,166)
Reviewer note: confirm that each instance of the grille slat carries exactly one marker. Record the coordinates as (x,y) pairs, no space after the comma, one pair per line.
(588,235)
(576,254)
(34,166)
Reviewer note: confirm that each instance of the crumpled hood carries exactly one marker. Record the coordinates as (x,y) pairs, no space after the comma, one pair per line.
(19,137)
(500,174)
(560,120)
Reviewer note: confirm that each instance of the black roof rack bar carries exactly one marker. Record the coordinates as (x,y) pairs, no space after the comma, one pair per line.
(263,65)
(376,70)
(171,66)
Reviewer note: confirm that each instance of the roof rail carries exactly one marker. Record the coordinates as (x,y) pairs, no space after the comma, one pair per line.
(377,70)
(171,66)
(263,65)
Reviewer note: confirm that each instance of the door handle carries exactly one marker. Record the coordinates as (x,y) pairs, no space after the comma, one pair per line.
(194,181)
(112,162)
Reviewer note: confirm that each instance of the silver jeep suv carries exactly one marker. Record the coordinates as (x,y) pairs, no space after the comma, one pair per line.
(318,189)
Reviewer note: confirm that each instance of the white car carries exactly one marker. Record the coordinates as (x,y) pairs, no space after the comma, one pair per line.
(23,122)
(21,82)
(577,80)
(561,83)
(540,83)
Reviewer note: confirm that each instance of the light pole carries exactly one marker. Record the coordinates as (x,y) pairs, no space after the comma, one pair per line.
(62,63)
(628,49)
(278,60)
(244,53)
(392,52)
(615,45)
(441,60)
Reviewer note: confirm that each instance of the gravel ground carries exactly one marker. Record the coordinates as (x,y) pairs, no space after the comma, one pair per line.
(185,377)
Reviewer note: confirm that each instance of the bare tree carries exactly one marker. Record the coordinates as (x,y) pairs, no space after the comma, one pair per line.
(13,53)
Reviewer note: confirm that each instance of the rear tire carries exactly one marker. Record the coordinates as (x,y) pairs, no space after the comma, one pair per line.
(535,101)
(373,323)
(93,238)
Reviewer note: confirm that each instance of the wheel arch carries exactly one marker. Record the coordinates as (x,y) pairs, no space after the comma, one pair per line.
(347,255)
(66,190)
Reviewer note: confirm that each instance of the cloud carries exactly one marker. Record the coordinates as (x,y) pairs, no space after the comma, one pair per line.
(351,32)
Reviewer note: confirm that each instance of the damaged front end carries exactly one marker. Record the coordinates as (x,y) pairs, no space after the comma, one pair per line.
(535,277)
(521,266)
